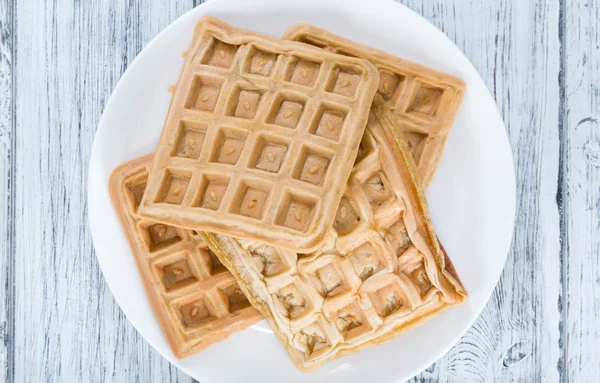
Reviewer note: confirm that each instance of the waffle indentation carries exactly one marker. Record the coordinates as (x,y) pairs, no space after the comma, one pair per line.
(411,264)
(260,62)
(343,52)
(296,212)
(245,103)
(302,71)
(292,299)
(329,281)
(346,218)
(286,110)
(344,80)
(351,321)
(310,41)
(252,197)
(366,260)
(311,166)
(228,145)
(220,54)
(189,141)
(136,191)
(204,93)
(329,121)
(177,274)
(212,191)
(209,262)
(426,101)
(236,300)
(377,189)
(387,300)
(419,277)
(216,267)
(173,187)
(366,147)
(416,142)
(268,261)
(397,236)
(389,82)
(315,340)
(160,236)
(196,314)
(269,153)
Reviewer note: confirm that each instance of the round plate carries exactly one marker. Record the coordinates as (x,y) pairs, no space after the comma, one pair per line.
(471,198)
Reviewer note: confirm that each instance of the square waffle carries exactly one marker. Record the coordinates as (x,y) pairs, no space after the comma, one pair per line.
(380,271)
(424,100)
(260,137)
(196,300)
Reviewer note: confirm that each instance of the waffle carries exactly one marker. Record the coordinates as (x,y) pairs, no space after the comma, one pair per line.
(424,100)
(380,271)
(260,137)
(196,300)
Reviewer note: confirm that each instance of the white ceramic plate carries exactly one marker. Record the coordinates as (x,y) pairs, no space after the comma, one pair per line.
(472,196)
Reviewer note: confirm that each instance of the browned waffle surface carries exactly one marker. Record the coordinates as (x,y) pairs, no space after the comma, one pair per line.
(424,100)
(196,300)
(380,271)
(260,137)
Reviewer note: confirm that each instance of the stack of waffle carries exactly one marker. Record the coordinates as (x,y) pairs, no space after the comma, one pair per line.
(288,185)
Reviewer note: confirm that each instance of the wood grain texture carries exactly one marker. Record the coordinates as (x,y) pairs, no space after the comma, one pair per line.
(541,62)
(6,181)
(581,189)
(70,55)
(515,47)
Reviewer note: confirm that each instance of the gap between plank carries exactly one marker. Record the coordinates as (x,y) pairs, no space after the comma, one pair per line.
(11,204)
(560,192)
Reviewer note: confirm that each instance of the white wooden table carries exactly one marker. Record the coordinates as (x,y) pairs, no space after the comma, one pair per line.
(60,60)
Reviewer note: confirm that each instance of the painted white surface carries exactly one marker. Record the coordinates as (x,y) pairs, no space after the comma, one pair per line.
(63,324)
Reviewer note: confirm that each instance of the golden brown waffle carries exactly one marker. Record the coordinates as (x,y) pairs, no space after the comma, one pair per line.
(380,271)
(260,137)
(196,300)
(424,100)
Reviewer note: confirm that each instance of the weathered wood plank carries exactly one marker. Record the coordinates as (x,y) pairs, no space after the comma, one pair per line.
(70,56)
(6,181)
(581,189)
(515,47)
